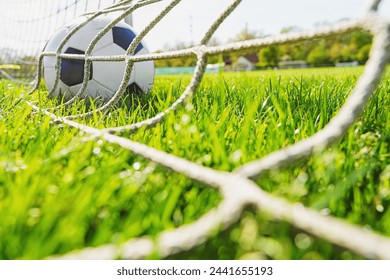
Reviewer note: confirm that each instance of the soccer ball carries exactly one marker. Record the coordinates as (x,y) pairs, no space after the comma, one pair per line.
(105,77)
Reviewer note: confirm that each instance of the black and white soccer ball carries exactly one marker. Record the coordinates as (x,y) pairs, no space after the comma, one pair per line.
(105,77)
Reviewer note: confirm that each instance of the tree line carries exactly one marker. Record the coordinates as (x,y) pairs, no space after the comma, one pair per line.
(353,46)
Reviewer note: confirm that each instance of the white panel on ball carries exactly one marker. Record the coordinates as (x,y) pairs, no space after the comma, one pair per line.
(115,69)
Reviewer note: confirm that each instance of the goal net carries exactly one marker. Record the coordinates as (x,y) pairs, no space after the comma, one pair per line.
(23,45)
(25,27)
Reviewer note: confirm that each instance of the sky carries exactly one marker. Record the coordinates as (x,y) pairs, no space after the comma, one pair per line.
(190,19)
(187,22)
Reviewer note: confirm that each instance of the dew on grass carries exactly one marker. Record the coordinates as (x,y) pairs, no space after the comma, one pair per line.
(303,241)
(96,151)
(34,216)
(52,189)
(13,166)
(236,156)
(89,171)
(207,158)
(137,166)
(185,119)
(125,174)
(189,107)
(380,208)
(193,129)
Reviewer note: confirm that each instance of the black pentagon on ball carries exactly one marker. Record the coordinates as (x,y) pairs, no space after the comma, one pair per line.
(123,38)
(72,70)
(134,88)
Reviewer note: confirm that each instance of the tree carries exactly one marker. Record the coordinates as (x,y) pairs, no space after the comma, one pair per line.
(361,38)
(246,34)
(213,59)
(336,52)
(363,54)
(176,62)
(290,29)
(318,56)
(270,56)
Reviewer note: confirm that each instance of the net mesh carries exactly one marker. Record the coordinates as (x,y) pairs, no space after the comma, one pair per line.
(36,22)
(235,200)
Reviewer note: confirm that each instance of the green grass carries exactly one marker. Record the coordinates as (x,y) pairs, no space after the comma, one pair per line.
(60,192)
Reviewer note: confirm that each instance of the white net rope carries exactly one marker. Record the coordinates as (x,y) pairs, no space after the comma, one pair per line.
(237,188)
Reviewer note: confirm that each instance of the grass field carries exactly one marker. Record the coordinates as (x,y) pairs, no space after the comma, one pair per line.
(60,192)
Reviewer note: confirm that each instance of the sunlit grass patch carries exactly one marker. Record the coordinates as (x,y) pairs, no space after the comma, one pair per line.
(61,191)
